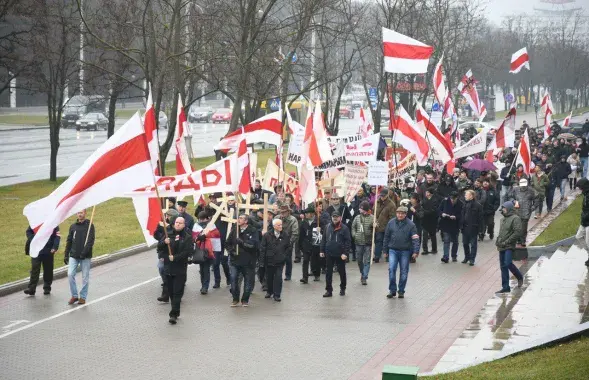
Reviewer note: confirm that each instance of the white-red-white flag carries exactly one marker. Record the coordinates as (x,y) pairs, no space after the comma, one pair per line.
(407,134)
(519,60)
(403,54)
(567,120)
(243,164)
(467,88)
(441,148)
(547,112)
(117,167)
(317,147)
(307,185)
(439,86)
(365,128)
(149,123)
(505,135)
(524,156)
(183,165)
(267,129)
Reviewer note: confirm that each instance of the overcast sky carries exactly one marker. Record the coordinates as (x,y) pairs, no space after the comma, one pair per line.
(497,9)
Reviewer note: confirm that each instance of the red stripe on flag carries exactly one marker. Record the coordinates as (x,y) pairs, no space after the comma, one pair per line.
(122,157)
(154,216)
(397,50)
(519,61)
(272,125)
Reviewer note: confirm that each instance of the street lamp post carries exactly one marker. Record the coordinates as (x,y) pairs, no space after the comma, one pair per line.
(81,49)
(313,38)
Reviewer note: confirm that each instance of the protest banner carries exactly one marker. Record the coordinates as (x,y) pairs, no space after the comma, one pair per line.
(273,176)
(364,150)
(378,173)
(338,160)
(407,167)
(295,146)
(354,176)
(348,139)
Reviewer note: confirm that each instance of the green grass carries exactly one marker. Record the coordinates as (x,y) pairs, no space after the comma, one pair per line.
(576,112)
(126,113)
(564,226)
(564,361)
(24,119)
(116,224)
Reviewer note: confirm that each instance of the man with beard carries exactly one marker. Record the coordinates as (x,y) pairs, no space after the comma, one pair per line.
(310,241)
(447,187)
(242,246)
(490,207)
(524,199)
(470,224)
(429,183)
(174,251)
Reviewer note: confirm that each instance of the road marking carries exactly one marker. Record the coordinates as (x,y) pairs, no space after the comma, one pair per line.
(14,323)
(79,307)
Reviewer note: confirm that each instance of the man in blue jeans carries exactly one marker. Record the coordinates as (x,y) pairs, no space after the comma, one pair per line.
(78,252)
(509,234)
(401,242)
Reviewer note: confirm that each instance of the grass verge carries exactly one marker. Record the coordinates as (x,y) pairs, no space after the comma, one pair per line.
(126,113)
(579,111)
(563,361)
(564,226)
(24,119)
(115,221)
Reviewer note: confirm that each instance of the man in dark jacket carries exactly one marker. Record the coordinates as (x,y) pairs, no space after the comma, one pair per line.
(509,234)
(45,259)
(583,150)
(336,245)
(470,225)
(524,198)
(159,235)
(174,251)
(401,243)
(430,205)
(384,211)
(560,175)
(188,219)
(450,214)
(242,246)
(446,187)
(310,241)
(490,207)
(78,252)
(275,248)
(583,231)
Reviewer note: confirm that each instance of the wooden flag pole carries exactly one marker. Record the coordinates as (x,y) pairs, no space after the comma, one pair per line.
(157,191)
(90,225)
(265,215)
(374,225)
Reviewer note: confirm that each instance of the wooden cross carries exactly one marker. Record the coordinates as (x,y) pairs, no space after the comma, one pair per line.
(231,221)
(248,206)
(221,209)
(330,188)
(265,215)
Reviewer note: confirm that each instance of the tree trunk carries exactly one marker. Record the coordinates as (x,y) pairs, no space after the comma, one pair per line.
(54,143)
(112,108)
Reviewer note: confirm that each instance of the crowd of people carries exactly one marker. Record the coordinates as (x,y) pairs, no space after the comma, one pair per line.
(395,224)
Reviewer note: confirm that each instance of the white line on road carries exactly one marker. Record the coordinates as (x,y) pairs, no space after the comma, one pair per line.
(79,307)
(14,323)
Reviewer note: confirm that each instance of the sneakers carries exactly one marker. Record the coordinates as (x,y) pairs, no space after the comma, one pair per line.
(342,293)
(471,263)
(401,294)
(234,303)
(391,295)
(72,300)
(46,292)
(503,291)
(81,301)
(245,303)
(304,281)
(216,286)
(204,291)
(327,294)
(520,282)
(444,260)
(268,295)
(173,320)
(29,292)
(316,278)
(363,281)
(464,261)
(277,299)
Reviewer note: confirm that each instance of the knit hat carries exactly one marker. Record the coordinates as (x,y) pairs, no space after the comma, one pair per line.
(508,205)
(365,206)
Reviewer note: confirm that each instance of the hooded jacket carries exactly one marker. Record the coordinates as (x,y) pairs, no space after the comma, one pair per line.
(362,229)
(526,197)
(510,231)
(384,212)
(539,184)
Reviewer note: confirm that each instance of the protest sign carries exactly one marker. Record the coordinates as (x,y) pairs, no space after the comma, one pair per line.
(354,175)
(273,176)
(378,173)
(338,160)
(405,168)
(364,150)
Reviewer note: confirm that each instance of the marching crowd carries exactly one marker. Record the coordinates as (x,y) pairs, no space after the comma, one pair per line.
(394,224)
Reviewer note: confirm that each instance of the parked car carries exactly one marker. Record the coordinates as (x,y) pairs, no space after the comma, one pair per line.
(77,106)
(346,111)
(357,104)
(222,115)
(92,120)
(200,114)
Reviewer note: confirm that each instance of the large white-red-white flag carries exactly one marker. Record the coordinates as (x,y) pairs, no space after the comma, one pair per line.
(406,133)
(267,129)
(307,184)
(547,112)
(439,86)
(467,88)
(317,147)
(243,164)
(524,156)
(365,128)
(519,60)
(183,165)
(505,135)
(440,147)
(118,166)
(403,54)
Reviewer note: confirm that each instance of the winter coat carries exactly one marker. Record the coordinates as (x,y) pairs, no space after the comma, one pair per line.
(472,217)
(446,188)
(480,195)
(463,184)
(539,184)
(576,162)
(310,236)
(560,171)
(52,243)
(416,216)
(506,176)
(401,235)
(526,197)
(430,213)
(446,224)
(583,184)
(583,149)
(385,210)
(518,176)
(274,250)
(76,245)
(182,246)
(510,231)
(248,243)
(336,241)
(492,201)
(291,227)
(362,229)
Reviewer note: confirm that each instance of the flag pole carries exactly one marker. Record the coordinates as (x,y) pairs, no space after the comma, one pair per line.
(374,226)
(157,192)
(90,225)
